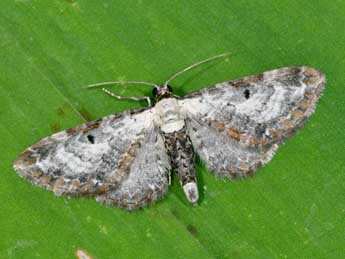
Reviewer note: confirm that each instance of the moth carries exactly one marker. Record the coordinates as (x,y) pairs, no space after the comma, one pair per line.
(126,159)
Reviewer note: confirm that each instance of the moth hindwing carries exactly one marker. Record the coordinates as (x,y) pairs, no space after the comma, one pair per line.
(126,159)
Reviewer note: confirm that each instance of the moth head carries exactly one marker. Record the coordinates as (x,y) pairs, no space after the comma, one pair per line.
(161,92)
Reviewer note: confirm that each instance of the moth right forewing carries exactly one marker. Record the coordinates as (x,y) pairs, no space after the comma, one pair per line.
(236,126)
(259,110)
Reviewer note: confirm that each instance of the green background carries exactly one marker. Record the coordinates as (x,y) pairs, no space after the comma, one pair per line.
(293,208)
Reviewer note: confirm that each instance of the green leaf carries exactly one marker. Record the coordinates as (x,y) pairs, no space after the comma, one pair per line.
(293,208)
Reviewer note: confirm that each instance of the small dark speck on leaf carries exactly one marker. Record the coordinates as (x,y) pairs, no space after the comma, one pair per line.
(55,127)
(60,111)
(175,213)
(192,229)
(64,109)
(85,114)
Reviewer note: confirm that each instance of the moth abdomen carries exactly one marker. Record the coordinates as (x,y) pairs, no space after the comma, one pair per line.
(180,150)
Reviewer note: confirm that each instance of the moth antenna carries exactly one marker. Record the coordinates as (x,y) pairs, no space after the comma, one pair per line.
(195,65)
(122,82)
(134,98)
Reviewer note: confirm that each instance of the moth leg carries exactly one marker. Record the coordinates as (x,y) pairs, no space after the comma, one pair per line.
(135,98)
(169,178)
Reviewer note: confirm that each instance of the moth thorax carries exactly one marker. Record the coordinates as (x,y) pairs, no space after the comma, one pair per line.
(169,115)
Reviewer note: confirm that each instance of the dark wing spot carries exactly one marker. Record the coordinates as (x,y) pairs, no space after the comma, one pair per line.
(246,93)
(260,130)
(82,179)
(91,139)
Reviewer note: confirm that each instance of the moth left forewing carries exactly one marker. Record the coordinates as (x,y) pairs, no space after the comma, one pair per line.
(255,113)
(89,159)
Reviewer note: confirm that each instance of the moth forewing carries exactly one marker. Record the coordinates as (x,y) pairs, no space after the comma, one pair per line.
(236,126)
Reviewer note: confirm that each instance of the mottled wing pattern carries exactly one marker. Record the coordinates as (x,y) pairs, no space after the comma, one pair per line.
(222,155)
(148,180)
(236,126)
(93,158)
